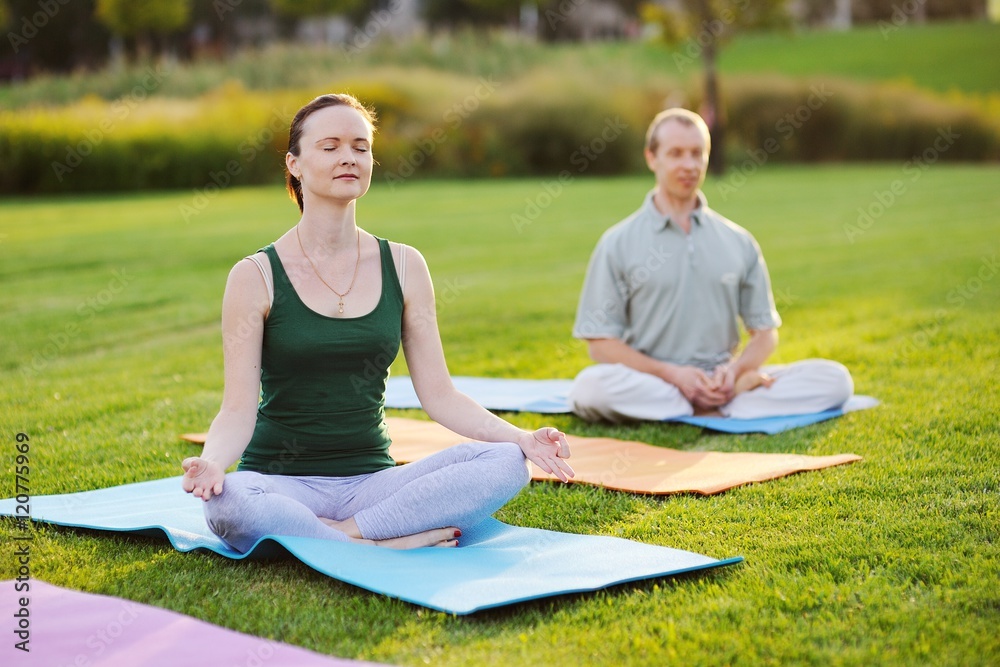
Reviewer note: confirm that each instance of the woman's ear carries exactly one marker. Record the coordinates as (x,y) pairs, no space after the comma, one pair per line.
(292,164)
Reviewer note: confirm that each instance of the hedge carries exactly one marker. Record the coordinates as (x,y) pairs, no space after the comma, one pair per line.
(435,124)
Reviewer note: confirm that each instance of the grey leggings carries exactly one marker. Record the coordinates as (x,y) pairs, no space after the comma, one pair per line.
(460,487)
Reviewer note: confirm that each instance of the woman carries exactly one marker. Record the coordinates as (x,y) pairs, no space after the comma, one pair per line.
(314,321)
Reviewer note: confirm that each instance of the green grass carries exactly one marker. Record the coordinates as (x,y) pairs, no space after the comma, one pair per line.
(890,561)
(941,56)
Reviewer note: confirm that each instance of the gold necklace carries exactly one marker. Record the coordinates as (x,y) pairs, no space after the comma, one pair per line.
(357,265)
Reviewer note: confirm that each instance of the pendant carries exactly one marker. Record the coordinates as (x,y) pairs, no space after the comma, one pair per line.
(341,304)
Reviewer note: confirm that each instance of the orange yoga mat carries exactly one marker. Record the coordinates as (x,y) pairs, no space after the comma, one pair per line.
(621,464)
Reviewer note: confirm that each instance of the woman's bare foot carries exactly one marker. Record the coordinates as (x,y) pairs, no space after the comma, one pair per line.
(752,380)
(436,537)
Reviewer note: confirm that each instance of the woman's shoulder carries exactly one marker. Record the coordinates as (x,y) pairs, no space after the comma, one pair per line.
(252,274)
(252,264)
(401,252)
(262,258)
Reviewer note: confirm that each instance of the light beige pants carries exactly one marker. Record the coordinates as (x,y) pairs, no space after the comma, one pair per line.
(617,393)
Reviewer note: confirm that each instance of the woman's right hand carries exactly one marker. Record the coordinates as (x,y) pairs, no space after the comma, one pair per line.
(202,477)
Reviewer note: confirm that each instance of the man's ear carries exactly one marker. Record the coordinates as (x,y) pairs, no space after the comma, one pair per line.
(650,158)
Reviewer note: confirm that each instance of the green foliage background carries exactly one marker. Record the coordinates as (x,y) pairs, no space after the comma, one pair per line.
(497,107)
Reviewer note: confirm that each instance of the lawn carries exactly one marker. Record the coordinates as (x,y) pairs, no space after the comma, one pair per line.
(111,348)
(940,56)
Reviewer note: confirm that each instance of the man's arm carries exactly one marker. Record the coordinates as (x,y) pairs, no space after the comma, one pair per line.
(758,349)
(616,351)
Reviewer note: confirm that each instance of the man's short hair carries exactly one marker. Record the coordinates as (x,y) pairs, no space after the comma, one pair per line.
(682,116)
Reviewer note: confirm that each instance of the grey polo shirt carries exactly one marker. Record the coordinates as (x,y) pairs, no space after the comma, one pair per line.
(673,296)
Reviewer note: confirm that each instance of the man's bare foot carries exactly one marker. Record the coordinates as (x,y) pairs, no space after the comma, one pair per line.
(752,380)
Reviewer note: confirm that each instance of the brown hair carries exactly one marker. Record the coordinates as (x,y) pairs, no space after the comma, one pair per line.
(682,116)
(295,131)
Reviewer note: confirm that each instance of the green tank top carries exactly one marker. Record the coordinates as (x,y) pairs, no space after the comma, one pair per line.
(323,380)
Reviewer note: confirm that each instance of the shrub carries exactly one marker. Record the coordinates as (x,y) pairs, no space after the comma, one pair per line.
(843,120)
(445,124)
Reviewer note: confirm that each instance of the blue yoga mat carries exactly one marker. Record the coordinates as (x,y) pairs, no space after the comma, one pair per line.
(496,564)
(507,394)
(772,425)
(551,397)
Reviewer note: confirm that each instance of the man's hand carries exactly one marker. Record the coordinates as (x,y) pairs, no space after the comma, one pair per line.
(724,380)
(700,389)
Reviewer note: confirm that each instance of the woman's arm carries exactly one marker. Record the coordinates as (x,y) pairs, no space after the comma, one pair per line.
(244,308)
(546,447)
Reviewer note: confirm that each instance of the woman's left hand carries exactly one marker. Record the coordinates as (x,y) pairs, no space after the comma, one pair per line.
(546,448)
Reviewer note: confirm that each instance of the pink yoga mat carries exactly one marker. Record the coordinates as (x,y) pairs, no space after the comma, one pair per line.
(66,627)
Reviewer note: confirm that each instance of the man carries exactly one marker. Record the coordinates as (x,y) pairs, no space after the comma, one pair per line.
(662,302)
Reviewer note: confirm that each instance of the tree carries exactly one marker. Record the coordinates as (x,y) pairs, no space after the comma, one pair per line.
(216,24)
(355,10)
(52,36)
(701,28)
(141,19)
(476,13)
